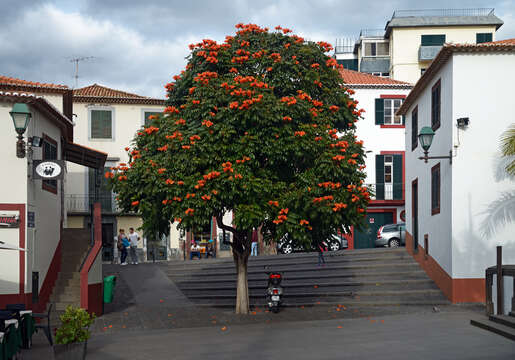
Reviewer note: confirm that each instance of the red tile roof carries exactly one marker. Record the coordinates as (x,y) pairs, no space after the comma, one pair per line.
(505,41)
(104,94)
(10,83)
(352,77)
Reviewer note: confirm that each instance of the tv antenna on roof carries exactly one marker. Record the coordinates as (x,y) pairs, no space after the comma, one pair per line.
(76,61)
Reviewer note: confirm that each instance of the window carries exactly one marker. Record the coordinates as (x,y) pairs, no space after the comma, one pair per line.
(376,49)
(390,108)
(483,37)
(97,182)
(432,40)
(389,177)
(146,117)
(351,64)
(381,74)
(414,128)
(388,167)
(49,149)
(435,189)
(435,105)
(385,111)
(101,124)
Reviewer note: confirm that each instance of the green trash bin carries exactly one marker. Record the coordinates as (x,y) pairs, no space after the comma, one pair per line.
(109,283)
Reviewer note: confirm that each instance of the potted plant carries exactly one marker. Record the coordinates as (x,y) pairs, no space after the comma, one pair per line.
(72,336)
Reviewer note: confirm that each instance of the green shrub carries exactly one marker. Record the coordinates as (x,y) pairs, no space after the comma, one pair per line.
(75,326)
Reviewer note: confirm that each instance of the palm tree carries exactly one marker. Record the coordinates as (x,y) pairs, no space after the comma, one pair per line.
(502,211)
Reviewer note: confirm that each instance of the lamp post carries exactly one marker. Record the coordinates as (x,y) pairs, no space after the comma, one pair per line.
(21,116)
(425,137)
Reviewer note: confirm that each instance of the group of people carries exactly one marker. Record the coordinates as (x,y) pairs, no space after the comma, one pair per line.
(127,243)
(196,250)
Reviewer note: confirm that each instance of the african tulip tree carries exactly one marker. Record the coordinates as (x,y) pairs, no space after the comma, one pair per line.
(260,125)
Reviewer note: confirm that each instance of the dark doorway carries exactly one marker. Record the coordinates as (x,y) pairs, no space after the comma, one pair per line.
(365,238)
(414,212)
(107,242)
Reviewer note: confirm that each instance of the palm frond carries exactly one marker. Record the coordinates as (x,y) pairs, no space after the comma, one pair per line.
(500,164)
(508,141)
(499,213)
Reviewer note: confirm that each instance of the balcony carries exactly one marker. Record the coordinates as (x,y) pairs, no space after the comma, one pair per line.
(375,64)
(81,204)
(428,53)
(443,12)
(389,191)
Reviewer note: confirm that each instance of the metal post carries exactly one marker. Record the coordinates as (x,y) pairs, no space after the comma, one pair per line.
(489,302)
(500,290)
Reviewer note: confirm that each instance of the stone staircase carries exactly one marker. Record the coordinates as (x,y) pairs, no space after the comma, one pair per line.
(503,325)
(368,277)
(75,244)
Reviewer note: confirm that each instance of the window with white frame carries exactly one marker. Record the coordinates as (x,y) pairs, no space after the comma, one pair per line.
(148,116)
(101,123)
(390,108)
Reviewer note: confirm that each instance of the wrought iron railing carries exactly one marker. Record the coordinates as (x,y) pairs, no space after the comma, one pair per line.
(371,33)
(444,12)
(80,203)
(386,191)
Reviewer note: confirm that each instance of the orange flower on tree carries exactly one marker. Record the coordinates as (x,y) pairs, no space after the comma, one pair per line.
(274,203)
(161,170)
(189,211)
(304,222)
(135,203)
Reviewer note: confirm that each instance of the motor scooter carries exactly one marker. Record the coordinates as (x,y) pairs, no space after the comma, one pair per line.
(274,291)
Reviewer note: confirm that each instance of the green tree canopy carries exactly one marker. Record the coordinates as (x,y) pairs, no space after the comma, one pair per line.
(261,125)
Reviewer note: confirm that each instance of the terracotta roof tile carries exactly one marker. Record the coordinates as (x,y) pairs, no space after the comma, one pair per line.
(103,91)
(352,77)
(5,80)
(500,42)
(104,94)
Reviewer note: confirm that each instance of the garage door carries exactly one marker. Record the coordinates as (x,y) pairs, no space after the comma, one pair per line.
(366,238)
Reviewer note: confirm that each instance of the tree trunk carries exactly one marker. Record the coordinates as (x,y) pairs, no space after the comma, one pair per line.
(242,284)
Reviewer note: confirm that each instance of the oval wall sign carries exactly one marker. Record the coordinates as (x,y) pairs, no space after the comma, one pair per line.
(48,169)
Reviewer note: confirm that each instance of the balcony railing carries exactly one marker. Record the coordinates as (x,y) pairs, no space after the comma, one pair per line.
(80,203)
(443,12)
(371,33)
(426,53)
(386,191)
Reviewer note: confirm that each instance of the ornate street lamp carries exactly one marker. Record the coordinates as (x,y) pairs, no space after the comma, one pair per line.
(425,137)
(21,116)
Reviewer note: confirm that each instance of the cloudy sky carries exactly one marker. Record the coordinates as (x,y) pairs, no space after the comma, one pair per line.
(138,45)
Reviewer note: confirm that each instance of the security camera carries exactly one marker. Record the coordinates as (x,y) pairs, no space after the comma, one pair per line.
(462,122)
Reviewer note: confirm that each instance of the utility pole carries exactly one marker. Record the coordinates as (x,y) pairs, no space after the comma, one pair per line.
(76,61)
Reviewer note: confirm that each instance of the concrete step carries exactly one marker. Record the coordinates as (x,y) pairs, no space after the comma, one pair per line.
(495,327)
(303,270)
(61,305)
(259,287)
(504,320)
(365,276)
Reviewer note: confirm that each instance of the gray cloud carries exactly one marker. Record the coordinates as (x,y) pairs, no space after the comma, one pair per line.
(139,45)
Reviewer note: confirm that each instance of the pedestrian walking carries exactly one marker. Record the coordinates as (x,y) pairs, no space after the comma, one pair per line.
(254,248)
(133,239)
(321,248)
(123,244)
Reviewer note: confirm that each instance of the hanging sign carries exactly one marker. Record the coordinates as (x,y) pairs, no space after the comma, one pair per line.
(9,219)
(371,220)
(31,219)
(48,169)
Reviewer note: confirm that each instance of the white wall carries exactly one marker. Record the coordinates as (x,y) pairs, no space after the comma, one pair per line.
(375,138)
(484,93)
(438,226)
(46,206)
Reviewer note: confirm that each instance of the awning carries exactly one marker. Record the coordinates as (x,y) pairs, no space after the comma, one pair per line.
(83,155)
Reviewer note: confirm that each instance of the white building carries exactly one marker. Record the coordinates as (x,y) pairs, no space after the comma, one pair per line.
(107,120)
(383,135)
(411,39)
(31,209)
(451,206)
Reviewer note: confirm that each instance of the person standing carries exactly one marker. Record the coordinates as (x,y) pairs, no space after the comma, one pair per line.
(123,244)
(321,248)
(133,239)
(254,248)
